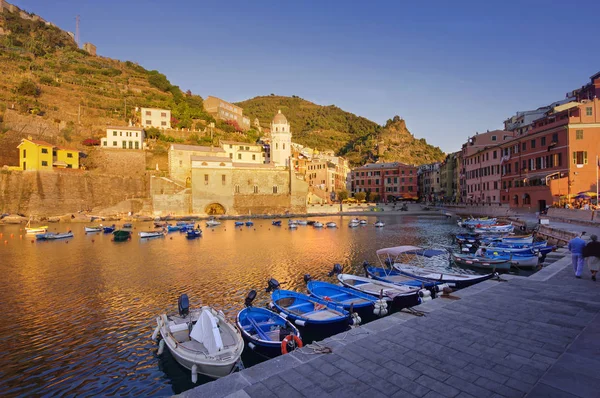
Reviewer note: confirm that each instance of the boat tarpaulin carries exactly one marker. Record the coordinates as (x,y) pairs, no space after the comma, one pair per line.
(207,332)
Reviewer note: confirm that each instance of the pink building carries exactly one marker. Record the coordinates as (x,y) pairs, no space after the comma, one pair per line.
(481,169)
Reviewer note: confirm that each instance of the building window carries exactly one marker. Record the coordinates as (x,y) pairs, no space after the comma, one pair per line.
(237,189)
(588,111)
(180,163)
(493,138)
(231,156)
(69,155)
(124,144)
(205,179)
(120,134)
(163,114)
(44,163)
(543,141)
(137,134)
(253,157)
(137,145)
(524,146)
(114,143)
(555,137)
(114,133)
(239,156)
(163,123)
(578,134)
(223,179)
(256,189)
(495,155)
(148,113)
(274,188)
(148,122)
(24,153)
(276,145)
(44,150)
(580,158)
(532,144)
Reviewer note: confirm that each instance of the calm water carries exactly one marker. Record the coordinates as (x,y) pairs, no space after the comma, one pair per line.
(78,316)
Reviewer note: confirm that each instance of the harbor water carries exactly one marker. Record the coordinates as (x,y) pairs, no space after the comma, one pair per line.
(78,314)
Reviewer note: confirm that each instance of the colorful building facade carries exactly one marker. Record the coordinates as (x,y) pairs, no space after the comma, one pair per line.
(389,181)
(39,155)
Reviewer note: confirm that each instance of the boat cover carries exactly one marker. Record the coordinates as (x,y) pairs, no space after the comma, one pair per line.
(207,332)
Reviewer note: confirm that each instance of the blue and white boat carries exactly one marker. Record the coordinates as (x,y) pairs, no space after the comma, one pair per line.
(173,228)
(239,223)
(91,230)
(452,278)
(266,332)
(395,277)
(318,224)
(193,234)
(474,222)
(366,305)
(276,223)
(316,318)
(109,230)
(54,236)
(249,223)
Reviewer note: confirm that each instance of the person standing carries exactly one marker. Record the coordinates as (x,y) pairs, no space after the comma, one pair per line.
(576,246)
(591,252)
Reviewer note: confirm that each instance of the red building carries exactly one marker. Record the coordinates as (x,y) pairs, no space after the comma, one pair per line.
(388,180)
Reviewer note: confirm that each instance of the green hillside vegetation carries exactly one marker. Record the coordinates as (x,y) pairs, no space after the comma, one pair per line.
(355,137)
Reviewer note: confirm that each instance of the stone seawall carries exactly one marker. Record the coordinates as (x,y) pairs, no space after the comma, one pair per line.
(65,191)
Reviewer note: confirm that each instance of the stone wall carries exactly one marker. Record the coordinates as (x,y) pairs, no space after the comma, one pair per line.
(173,204)
(121,162)
(65,191)
(573,214)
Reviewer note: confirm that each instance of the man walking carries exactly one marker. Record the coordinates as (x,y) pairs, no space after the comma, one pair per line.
(576,246)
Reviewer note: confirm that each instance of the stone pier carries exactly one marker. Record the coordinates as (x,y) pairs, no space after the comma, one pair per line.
(536,336)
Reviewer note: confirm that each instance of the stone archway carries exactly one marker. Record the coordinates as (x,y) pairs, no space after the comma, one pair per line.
(215,209)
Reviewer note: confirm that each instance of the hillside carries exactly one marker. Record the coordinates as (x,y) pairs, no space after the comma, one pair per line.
(329,127)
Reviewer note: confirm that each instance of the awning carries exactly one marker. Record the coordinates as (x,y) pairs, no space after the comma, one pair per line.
(59,164)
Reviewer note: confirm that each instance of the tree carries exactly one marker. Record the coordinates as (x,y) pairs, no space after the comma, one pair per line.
(374,197)
(28,87)
(342,195)
(360,196)
(152,133)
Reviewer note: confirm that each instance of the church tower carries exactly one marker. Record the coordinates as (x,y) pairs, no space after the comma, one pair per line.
(281,141)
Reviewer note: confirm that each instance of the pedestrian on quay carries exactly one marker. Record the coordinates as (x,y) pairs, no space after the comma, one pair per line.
(591,252)
(576,246)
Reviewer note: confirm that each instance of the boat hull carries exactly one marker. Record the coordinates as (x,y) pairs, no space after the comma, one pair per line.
(481,263)
(398,301)
(455,281)
(345,297)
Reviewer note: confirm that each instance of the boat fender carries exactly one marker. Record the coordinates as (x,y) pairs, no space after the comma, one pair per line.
(155,334)
(161,347)
(380,308)
(299,322)
(423,293)
(441,287)
(355,320)
(251,345)
(194,374)
(292,340)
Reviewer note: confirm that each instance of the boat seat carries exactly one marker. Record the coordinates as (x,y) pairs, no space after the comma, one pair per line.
(297,306)
(261,325)
(180,327)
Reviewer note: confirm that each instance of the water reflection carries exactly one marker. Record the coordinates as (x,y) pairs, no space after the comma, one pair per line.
(79,315)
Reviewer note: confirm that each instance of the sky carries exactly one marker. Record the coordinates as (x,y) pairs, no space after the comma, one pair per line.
(449,68)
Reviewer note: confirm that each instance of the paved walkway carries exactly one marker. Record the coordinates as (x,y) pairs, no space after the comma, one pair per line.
(537,336)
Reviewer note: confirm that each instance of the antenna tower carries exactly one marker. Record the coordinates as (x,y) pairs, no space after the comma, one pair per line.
(77,30)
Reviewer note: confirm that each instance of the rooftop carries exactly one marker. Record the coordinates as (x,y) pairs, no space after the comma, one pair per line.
(196,148)
(238,143)
(128,128)
(211,159)
(382,165)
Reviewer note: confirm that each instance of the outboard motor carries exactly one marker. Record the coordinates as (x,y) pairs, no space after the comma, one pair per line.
(250,298)
(272,285)
(365,265)
(307,278)
(184,305)
(337,269)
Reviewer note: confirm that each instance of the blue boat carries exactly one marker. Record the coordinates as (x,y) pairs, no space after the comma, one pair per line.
(395,277)
(365,305)
(239,223)
(249,223)
(194,233)
(127,225)
(266,332)
(110,230)
(173,228)
(276,223)
(54,236)
(318,319)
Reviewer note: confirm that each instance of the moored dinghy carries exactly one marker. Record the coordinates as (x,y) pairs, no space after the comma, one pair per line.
(202,341)
(90,230)
(266,332)
(452,278)
(121,235)
(54,236)
(151,234)
(318,224)
(379,224)
(469,260)
(331,224)
(109,230)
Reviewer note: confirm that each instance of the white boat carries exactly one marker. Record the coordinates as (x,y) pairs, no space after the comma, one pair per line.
(93,229)
(318,224)
(292,225)
(301,222)
(331,224)
(354,224)
(35,230)
(379,224)
(363,222)
(292,222)
(151,234)
(212,223)
(202,341)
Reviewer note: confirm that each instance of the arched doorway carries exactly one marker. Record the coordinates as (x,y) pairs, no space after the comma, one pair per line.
(215,209)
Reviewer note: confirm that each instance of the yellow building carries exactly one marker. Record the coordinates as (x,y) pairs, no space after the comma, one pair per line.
(40,155)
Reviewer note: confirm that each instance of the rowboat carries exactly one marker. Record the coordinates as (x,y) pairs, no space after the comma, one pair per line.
(89,230)
(353,224)
(316,318)
(292,225)
(54,236)
(379,224)
(473,222)
(469,260)
(364,304)
(151,234)
(249,223)
(301,222)
(121,235)
(276,223)
(363,222)
(395,277)
(239,223)
(173,228)
(452,278)
(266,332)
(202,341)
(193,234)
(212,223)
(29,230)
(318,224)
(331,224)
(109,230)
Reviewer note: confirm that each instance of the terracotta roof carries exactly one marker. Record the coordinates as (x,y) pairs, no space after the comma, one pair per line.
(197,148)
(39,142)
(279,118)
(130,128)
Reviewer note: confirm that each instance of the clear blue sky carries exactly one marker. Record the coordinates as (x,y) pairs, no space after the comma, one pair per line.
(449,68)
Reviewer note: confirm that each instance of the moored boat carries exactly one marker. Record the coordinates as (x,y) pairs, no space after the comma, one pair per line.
(110,229)
(89,230)
(29,230)
(452,278)
(469,260)
(54,236)
(353,224)
(302,222)
(249,223)
(395,277)
(266,332)
(151,234)
(331,224)
(379,224)
(276,223)
(121,235)
(239,223)
(202,341)
(212,223)
(193,234)
(318,224)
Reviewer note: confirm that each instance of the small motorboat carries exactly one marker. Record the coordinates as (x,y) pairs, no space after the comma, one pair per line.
(363,222)
(121,235)
(292,225)
(316,318)
(331,224)
(54,236)
(276,223)
(401,296)
(212,223)
(109,230)
(310,222)
(354,224)
(318,224)
(249,223)
(193,233)
(202,341)
(469,260)
(379,224)
(302,222)
(91,230)
(452,278)
(29,230)
(365,305)
(151,234)
(239,223)
(173,228)
(161,224)
(474,222)
(395,277)
(266,332)
(127,226)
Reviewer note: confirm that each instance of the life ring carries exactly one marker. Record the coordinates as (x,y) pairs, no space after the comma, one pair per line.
(287,339)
